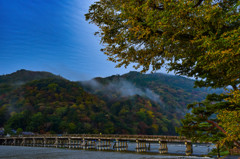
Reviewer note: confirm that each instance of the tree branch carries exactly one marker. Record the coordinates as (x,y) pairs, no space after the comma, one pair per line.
(160,7)
(234,87)
(217,126)
(198,3)
(222,130)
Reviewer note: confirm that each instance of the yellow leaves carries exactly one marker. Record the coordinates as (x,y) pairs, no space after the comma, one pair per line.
(155,127)
(13,113)
(230,121)
(150,113)
(142,110)
(234,96)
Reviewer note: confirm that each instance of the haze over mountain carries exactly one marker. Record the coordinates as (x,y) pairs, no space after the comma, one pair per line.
(132,103)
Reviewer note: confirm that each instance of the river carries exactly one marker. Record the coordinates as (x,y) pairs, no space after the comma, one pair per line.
(175,152)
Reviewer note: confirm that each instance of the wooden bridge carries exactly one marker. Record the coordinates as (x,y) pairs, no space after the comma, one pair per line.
(99,142)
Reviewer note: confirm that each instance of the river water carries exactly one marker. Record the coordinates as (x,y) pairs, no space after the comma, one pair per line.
(175,152)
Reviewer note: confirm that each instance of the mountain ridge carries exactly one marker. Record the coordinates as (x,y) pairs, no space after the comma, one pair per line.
(131,103)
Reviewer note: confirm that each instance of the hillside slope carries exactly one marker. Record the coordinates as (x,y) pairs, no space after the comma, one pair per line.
(172,93)
(12,81)
(133,103)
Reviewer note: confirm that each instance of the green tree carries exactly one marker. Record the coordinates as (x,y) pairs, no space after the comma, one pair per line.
(3,114)
(194,38)
(18,120)
(36,122)
(19,131)
(202,122)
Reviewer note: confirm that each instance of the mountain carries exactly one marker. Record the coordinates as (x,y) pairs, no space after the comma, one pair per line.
(170,92)
(53,106)
(20,77)
(132,103)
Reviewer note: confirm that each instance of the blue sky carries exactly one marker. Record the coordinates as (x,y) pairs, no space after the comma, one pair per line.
(51,35)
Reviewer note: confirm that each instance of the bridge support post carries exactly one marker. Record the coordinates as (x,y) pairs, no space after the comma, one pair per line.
(117,144)
(92,144)
(33,142)
(23,142)
(73,143)
(125,145)
(69,143)
(163,147)
(84,144)
(44,142)
(141,146)
(14,142)
(149,146)
(137,146)
(189,149)
(56,142)
(103,144)
(26,142)
(99,145)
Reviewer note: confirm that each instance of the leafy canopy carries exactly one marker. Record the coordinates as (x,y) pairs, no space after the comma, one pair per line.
(192,38)
(196,38)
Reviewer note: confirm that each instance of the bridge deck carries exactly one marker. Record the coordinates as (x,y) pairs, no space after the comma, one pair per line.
(148,138)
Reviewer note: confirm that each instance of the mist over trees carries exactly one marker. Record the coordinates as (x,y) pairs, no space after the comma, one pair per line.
(46,103)
(197,39)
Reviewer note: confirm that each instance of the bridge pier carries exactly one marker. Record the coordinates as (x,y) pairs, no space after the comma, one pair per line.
(41,142)
(56,142)
(14,142)
(33,142)
(84,144)
(90,144)
(26,142)
(65,143)
(163,147)
(103,144)
(141,146)
(69,143)
(189,149)
(44,142)
(38,142)
(120,145)
(72,143)
(18,142)
(23,142)
(5,142)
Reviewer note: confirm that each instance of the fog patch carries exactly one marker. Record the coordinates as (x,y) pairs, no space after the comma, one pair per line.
(123,88)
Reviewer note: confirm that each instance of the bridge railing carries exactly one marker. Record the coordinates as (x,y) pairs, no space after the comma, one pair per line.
(108,136)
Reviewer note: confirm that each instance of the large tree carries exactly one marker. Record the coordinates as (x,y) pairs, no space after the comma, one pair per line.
(195,38)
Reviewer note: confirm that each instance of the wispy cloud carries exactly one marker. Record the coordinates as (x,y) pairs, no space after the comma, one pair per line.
(124,88)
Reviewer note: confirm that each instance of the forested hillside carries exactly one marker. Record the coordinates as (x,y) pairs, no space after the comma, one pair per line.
(133,103)
(172,93)
(20,77)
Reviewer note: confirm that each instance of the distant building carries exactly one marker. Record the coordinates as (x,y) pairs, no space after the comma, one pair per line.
(28,133)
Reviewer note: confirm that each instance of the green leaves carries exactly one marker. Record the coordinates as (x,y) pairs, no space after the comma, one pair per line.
(192,39)
(196,39)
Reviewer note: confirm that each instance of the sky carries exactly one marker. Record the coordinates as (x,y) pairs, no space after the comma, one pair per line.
(53,36)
